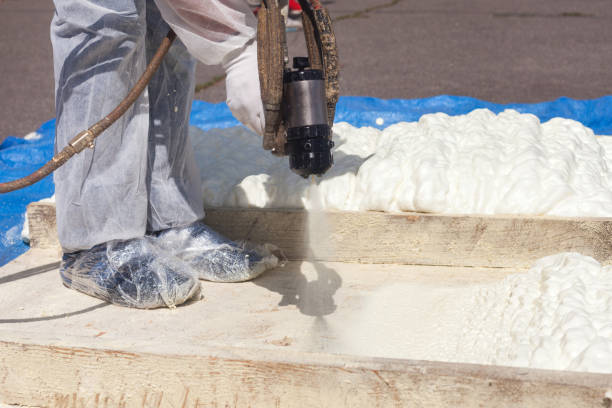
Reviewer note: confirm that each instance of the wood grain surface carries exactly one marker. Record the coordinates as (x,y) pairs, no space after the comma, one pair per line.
(79,377)
(400,238)
(420,239)
(42,225)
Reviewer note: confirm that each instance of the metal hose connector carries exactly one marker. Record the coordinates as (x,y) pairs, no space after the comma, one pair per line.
(85,139)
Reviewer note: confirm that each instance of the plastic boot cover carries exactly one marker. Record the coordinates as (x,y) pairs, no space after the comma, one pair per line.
(131,273)
(214,257)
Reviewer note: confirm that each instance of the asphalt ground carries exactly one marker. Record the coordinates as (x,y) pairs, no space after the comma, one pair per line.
(496,50)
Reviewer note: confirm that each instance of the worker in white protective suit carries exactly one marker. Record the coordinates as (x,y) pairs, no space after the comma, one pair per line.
(129,210)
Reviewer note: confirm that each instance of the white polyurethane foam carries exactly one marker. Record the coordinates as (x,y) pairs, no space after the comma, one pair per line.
(479,163)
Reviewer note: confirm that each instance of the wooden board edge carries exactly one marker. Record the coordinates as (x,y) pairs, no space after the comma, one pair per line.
(410,214)
(403,238)
(42,225)
(419,239)
(55,376)
(48,208)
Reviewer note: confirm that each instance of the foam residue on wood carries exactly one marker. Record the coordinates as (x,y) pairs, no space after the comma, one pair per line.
(558,315)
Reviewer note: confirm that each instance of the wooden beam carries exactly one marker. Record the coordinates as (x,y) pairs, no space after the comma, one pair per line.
(420,239)
(410,238)
(256,344)
(65,377)
(42,225)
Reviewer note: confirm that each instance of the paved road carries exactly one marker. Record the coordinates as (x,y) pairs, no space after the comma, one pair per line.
(519,51)
(26,82)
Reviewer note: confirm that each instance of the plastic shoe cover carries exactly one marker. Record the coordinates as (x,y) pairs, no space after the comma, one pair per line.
(214,257)
(131,273)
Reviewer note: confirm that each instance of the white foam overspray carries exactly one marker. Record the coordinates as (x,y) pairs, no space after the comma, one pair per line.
(324,281)
(406,320)
(317,226)
(557,315)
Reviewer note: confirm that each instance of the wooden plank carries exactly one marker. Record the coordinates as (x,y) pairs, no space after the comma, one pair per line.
(54,376)
(42,225)
(415,238)
(256,344)
(420,239)
(282,303)
(33,259)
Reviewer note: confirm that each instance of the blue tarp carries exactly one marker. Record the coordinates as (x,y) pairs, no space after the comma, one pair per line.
(19,157)
(359,111)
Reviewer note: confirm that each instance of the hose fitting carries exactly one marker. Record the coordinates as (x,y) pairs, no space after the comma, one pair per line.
(83,140)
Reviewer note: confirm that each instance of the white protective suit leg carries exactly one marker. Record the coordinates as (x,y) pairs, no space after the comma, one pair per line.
(175,187)
(100,49)
(141,175)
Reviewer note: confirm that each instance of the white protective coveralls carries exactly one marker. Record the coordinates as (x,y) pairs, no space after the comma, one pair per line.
(141,177)
(141,174)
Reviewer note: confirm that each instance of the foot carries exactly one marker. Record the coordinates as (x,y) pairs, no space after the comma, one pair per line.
(214,257)
(130,273)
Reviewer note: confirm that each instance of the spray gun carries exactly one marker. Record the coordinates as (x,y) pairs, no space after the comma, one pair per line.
(308,133)
(299,103)
(307,95)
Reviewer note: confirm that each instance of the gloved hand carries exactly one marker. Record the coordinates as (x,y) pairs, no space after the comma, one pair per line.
(242,87)
(222,31)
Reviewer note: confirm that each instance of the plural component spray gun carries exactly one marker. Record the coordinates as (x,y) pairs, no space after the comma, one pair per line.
(299,104)
(305,112)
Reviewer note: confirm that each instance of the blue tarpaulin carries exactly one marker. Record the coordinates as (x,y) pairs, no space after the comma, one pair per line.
(19,157)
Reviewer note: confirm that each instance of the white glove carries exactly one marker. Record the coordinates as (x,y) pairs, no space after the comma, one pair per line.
(222,31)
(242,87)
